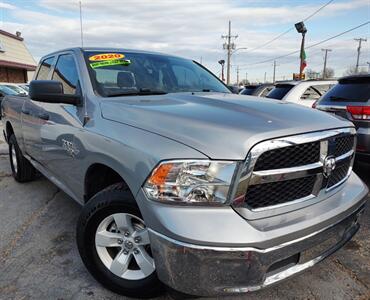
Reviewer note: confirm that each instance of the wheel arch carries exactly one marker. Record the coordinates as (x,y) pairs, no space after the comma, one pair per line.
(99,176)
(8,130)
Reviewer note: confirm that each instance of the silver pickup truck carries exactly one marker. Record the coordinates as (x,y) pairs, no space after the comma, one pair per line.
(182,183)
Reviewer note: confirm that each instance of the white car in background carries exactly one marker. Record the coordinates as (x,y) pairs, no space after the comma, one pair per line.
(301,92)
(16,88)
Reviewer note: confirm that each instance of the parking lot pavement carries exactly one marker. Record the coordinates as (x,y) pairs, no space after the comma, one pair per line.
(39,257)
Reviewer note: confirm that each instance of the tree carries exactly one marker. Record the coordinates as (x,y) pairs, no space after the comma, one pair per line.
(329,73)
(244,82)
(312,74)
(352,71)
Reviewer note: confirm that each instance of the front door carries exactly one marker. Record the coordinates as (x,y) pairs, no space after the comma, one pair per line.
(63,122)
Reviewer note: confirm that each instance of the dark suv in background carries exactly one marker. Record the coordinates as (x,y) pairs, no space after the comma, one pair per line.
(259,90)
(350,99)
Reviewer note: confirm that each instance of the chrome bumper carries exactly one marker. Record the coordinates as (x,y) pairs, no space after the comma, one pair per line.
(212,271)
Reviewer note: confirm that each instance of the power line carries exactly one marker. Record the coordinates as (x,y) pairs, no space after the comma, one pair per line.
(290,29)
(308,47)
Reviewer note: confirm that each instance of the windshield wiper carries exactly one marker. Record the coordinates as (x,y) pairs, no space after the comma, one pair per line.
(140,92)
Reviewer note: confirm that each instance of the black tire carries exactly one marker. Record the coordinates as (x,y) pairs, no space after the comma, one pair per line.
(24,171)
(114,199)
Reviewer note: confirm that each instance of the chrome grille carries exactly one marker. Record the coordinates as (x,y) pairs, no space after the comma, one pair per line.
(289,170)
(344,144)
(338,174)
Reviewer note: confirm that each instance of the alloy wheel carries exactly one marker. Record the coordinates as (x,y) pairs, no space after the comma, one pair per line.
(123,246)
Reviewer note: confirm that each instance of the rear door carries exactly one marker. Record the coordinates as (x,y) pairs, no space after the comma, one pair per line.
(32,115)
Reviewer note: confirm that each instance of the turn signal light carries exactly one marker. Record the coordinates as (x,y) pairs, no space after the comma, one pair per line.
(359,112)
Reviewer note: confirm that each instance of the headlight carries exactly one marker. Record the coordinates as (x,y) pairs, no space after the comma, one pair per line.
(191,181)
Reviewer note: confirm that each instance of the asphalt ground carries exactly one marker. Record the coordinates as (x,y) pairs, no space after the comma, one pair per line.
(39,257)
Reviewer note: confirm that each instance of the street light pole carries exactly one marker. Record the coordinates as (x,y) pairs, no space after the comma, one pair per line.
(301,56)
(222,63)
(301,28)
(273,77)
(237,75)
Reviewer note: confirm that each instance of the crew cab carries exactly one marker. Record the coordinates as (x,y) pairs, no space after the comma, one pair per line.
(182,183)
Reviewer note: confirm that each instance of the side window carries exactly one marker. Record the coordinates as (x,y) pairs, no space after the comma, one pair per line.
(311,94)
(66,72)
(323,88)
(44,69)
(266,91)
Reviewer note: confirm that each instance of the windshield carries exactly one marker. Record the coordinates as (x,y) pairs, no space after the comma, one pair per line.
(126,73)
(7,91)
(280,91)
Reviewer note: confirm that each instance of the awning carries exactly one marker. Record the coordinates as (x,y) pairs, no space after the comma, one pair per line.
(16,65)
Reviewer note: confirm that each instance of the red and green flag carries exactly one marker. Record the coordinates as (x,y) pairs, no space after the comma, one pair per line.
(303,60)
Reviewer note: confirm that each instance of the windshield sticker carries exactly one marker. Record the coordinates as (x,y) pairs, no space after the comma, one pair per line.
(114,62)
(106,56)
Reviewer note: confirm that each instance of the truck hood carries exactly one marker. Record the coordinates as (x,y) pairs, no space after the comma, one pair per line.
(221,126)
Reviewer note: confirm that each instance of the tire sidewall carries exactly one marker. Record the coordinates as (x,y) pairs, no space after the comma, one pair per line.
(13,145)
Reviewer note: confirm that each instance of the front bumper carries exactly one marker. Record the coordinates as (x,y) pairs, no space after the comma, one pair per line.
(212,271)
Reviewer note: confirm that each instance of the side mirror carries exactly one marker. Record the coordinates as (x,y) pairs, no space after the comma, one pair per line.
(51,91)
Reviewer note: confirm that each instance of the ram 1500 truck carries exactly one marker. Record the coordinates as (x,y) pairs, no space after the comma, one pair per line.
(182,183)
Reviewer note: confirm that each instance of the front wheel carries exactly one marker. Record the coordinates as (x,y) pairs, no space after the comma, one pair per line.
(114,244)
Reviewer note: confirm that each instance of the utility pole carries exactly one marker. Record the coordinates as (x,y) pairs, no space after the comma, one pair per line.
(229,46)
(264,78)
(237,75)
(274,73)
(360,40)
(325,60)
(368,63)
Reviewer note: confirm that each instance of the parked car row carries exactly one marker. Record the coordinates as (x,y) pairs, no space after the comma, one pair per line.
(300,92)
(349,98)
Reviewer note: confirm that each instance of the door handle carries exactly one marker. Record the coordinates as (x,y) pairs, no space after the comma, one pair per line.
(44,116)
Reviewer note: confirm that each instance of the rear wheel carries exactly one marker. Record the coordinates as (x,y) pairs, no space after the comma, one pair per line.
(114,244)
(22,169)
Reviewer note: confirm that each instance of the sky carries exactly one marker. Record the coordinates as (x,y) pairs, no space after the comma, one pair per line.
(193,29)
